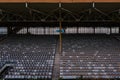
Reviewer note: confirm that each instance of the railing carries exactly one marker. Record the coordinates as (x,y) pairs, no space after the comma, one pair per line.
(5,68)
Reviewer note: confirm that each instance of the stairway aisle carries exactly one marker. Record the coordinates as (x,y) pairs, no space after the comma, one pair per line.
(56,69)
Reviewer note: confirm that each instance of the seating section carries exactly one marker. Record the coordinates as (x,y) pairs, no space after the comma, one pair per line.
(90,56)
(33,55)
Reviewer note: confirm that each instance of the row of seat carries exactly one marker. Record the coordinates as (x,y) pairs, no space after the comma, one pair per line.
(90,56)
(33,55)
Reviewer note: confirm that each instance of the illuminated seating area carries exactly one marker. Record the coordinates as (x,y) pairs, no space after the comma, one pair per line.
(92,56)
(33,55)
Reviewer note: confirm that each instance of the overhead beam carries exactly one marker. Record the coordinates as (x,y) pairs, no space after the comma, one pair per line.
(54,1)
(56,24)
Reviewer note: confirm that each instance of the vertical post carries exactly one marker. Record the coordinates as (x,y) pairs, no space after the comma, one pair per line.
(93,4)
(77,29)
(27,30)
(26,5)
(110,30)
(94,30)
(9,30)
(60,36)
(60,27)
(44,30)
(119,30)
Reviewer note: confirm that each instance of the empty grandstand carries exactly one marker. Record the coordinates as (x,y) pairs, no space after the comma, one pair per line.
(33,56)
(90,56)
(59,40)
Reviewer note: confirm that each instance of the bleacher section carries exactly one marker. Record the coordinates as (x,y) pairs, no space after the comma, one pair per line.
(90,56)
(33,55)
(87,56)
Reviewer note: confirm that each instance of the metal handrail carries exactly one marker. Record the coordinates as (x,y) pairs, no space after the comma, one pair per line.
(6,65)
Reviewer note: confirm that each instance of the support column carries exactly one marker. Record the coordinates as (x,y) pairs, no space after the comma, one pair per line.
(27,31)
(60,36)
(94,29)
(9,30)
(60,27)
(44,29)
(110,30)
(119,30)
(77,29)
